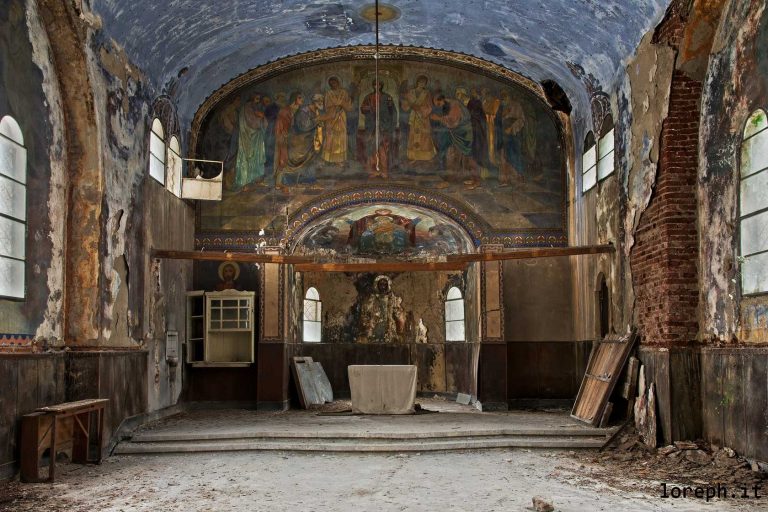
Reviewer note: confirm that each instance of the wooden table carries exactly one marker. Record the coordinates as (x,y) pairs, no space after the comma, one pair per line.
(38,433)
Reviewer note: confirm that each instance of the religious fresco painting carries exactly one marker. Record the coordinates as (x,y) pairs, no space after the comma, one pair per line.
(384,230)
(292,138)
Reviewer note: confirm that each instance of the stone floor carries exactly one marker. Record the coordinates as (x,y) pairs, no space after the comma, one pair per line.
(496,480)
(461,480)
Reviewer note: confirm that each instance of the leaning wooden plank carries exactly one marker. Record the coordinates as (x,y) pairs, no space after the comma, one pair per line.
(296,372)
(606,361)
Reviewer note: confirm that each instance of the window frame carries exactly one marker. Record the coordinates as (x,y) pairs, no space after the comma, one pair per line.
(462,320)
(590,144)
(318,305)
(173,155)
(16,139)
(157,124)
(763,169)
(607,130)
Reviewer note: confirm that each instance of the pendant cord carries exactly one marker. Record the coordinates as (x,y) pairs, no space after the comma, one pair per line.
(376,87)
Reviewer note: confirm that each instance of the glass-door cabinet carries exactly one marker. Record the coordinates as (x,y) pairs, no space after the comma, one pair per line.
(220,329)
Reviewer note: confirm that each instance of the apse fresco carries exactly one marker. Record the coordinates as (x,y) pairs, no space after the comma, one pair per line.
(294,138)
(384,230)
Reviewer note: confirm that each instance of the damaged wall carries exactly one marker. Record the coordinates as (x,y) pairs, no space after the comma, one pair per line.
(348,339)
(736,84)
(29,92)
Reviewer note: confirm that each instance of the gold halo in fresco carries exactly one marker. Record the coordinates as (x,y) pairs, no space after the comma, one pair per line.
(387,12)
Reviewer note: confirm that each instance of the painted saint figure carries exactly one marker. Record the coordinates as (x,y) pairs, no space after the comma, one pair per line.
(512,124)
(418,101)
(251,156)
(382,317)
(337,104)
(378,159)
(283,125)
(455,132)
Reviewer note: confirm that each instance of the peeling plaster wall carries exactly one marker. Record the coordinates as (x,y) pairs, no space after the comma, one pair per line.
(612,210)
(736,84)
(141,298)
(29,92)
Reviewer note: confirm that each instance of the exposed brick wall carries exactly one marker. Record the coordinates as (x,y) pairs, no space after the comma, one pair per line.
(664,257)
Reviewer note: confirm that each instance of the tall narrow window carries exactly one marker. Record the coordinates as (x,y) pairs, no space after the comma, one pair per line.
(157,151)
(173,176)
(454,316)
(13,209)
(605,157)
(589,164)
(313,310)
(753,205)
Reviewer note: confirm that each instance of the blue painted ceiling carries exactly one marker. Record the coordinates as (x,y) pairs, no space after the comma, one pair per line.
(214,41)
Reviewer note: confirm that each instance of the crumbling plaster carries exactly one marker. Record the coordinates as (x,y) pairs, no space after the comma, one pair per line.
(29,91)
(735,85)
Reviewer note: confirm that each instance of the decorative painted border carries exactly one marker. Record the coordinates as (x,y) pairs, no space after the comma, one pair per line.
(11,342)
(361,52)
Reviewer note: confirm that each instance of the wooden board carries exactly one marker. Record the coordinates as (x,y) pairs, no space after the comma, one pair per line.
(606,361)
(312,383)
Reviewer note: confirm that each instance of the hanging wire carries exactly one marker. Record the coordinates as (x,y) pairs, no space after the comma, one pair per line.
(376,87)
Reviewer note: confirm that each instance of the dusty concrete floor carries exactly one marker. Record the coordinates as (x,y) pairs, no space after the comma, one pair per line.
(503,480)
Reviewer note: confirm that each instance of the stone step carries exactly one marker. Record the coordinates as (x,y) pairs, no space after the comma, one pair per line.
(153,437)
(358,445)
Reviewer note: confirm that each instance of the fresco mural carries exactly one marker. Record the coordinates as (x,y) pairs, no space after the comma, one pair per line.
(384,230)
(297,136)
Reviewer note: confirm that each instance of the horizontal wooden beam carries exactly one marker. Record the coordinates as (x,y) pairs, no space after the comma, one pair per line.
(242,257)
(405,266)
(454,262)
(534,252)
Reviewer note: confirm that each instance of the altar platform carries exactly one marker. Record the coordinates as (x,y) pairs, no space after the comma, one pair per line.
(441,425)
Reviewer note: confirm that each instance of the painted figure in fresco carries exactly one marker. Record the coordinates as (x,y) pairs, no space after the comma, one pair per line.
(383,232)
(378,159)
(382,317)
(305,141)
(283,125)
(337,104)
(270,110)
(418,101)
(491,109)
(479,128)
(512,134)
(228,273)
(252,126)
(454,131)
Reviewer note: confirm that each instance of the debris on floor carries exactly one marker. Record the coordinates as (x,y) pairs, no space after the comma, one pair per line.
(542,505)
(682,463)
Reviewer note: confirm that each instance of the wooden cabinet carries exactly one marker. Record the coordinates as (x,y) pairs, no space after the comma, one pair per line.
(220,330)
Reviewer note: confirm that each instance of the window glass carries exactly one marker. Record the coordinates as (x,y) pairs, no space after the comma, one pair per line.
(454,316)
(753,205)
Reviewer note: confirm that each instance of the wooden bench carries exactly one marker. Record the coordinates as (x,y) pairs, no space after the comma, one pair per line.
(39,433)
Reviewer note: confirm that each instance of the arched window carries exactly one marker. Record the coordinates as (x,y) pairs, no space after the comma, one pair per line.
(589,164)
(313,310)
(13,209)
(605,160)
(173,176)
(753,205)
(454,316)
(157,151)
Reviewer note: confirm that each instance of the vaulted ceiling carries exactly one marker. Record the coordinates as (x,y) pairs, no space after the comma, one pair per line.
(214,41)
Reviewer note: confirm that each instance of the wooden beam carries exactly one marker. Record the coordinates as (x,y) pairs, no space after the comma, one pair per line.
(454,262)
(242,257)
(534,252)
(405,266)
